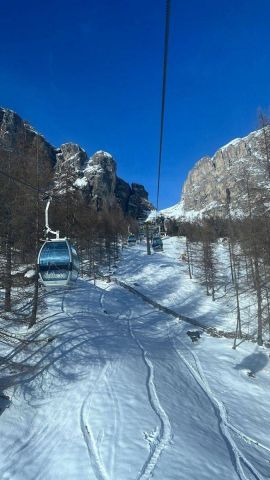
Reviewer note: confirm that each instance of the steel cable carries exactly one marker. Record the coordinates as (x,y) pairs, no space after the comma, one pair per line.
(164,83)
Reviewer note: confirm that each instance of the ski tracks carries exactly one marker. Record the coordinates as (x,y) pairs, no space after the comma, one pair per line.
(165,430)
(87,432)
(163,438)
(99,467)
(225,424)
(116,423)
(92,447)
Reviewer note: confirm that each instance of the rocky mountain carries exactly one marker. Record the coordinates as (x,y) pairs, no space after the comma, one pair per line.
(19,142)
(70,167)
(236,179)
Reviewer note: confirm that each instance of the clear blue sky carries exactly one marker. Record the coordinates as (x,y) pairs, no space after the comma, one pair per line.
(90,72)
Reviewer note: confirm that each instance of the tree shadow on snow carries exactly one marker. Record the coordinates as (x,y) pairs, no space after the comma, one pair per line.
(4,402)
(255,362)
(81,337)
(203,310)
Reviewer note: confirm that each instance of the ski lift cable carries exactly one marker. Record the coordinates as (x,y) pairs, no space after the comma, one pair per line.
(42,192)
(164,83)
(17,180)
(20,181)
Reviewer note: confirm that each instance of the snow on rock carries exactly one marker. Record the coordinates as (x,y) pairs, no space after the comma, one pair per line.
(81,182)
(93,169)
(232,143)
(103,153)
(70,158)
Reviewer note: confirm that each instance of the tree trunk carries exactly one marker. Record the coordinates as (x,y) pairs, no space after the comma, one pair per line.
(33,317)
(8,277)
(147,239)
(259,301)
(188,258)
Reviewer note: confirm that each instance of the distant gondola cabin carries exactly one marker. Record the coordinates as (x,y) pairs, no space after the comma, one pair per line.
(132,240)
(157,243)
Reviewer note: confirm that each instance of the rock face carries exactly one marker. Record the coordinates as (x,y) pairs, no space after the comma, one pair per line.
(134,199)
(95,177)
(100,173)
(122,193)
(138,201)
(233,178)
(70,156)
(105,189)
(21,144)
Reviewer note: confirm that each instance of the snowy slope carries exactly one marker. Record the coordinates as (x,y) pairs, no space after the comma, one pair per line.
(176,211)
(165,278)
(120,393)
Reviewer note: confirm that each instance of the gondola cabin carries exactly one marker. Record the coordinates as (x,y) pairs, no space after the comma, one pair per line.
(58,263)
(132,240)
(157,243)
(141,236)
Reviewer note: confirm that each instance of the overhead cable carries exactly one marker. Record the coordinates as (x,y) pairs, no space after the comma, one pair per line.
(17,180)
(164,82)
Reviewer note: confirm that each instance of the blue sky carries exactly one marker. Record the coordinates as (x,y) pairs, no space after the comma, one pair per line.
(91,72)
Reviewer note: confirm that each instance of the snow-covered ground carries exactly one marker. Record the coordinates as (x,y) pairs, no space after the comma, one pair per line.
(164,277)
(115,390)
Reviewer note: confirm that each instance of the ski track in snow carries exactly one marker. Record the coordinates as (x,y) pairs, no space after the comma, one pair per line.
(116,424)
(97,463)
(92,447)
(236,430)
(111,393)
(246,438)
(165,430)
(225,425)
(99,467)
(89,438)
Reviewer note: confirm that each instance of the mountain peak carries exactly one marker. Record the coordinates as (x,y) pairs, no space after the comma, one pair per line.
(95,177)
(214,182)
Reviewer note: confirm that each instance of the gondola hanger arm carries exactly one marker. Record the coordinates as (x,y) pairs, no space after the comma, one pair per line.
(47,227)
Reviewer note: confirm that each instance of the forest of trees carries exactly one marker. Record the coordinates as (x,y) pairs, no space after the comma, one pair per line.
(24,189)
(245,271)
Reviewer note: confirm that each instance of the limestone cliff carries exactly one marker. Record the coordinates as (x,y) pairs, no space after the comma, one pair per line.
(68,166)
(20,145)
(236,175)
